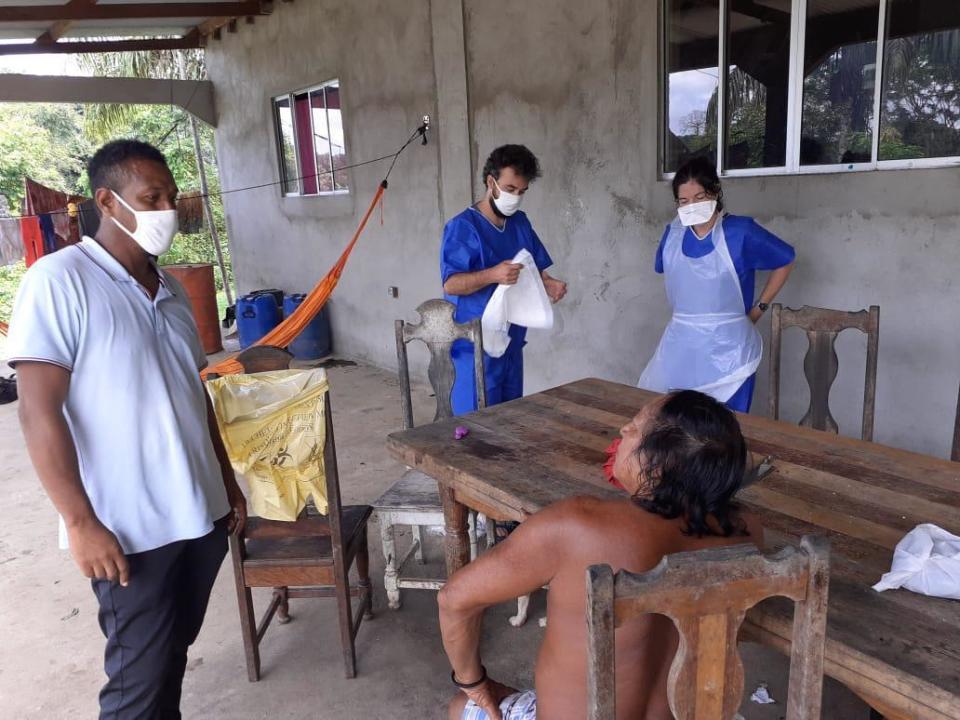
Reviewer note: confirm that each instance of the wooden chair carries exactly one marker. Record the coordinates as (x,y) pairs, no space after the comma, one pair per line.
(310,557)
(707,595)
(414,500)
(955,452)
(820,365)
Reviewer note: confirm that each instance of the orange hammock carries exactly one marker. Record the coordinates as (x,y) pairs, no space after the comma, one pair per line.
(4,328)
(284,333)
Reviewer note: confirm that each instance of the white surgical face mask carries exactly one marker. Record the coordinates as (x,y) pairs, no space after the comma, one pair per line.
(697,213)
(155,228)
(507,203)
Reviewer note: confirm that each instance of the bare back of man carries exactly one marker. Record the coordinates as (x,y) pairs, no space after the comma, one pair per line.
(626,537)
(555,547)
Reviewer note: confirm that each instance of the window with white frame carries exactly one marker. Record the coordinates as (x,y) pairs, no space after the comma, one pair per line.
(811,85)
(310,143)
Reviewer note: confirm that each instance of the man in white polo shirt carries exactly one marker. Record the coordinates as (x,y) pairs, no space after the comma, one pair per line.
(121,432)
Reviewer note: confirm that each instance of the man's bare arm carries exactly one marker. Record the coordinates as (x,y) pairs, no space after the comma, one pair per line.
(524,562)
(467,283)
(42,388)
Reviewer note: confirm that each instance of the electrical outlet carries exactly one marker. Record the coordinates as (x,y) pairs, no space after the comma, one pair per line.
(393,292)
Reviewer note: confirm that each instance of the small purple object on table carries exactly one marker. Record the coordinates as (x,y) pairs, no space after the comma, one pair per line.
(461,432)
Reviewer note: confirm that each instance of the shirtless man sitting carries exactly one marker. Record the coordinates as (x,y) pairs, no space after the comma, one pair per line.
(681,460)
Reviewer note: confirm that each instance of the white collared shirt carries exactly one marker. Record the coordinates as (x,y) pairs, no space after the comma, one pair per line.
(136,405)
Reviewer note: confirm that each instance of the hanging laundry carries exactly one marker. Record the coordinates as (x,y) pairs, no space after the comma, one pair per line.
(190,211)
(11,241)
(49,233)
(42,199)
(88,218)
(32,239)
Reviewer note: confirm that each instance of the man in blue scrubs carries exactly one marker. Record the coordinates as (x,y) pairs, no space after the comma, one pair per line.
(476,255)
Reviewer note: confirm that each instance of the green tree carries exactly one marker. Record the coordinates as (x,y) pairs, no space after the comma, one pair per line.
(187,144)
(43,142)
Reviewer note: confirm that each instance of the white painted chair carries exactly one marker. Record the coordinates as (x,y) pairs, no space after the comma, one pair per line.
(414,500)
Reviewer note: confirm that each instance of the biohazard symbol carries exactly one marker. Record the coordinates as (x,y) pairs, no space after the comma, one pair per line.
(281,457)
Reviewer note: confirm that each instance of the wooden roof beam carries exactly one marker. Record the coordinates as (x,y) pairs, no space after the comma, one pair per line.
(190,41)
(60,28)
(91,11)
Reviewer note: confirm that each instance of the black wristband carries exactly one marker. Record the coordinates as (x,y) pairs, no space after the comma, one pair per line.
(469,686)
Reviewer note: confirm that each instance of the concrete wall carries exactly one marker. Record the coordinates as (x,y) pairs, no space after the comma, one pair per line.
(381,52)
(578,83)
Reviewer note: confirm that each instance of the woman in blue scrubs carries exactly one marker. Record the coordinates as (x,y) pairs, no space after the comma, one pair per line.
(476,255)
(709,260)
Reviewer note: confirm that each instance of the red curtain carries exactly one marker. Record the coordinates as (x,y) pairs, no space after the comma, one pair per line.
(308,161)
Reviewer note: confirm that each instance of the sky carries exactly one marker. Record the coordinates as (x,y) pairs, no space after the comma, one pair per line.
(690,90)
(56,64)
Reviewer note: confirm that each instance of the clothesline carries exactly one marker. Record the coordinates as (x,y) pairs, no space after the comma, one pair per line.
(220,193)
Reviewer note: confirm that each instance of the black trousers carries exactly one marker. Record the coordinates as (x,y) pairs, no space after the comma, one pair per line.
(150,624)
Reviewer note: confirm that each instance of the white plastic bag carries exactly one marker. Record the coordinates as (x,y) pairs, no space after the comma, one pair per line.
(926,561)
(525,304)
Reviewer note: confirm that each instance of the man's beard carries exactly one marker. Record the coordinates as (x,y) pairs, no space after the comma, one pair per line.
(496,210)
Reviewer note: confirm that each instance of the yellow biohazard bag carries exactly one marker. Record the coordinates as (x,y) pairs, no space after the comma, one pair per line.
(273,427)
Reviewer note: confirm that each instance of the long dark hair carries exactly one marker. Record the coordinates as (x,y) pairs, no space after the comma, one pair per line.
(703,172)
(693,457)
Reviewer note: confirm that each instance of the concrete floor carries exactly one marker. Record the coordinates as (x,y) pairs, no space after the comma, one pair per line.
(50,652)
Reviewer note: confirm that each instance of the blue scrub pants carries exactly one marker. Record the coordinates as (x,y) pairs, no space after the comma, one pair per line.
(504,378)
(743,397)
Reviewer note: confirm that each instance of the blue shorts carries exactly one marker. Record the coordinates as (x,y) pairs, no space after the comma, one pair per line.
(519,706)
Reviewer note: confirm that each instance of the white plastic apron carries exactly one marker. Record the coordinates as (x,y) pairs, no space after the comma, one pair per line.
(710,344)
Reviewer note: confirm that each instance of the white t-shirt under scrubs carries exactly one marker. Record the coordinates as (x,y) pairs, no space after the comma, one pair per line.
(136,405)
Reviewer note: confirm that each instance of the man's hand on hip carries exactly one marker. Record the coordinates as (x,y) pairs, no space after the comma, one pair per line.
(97,553)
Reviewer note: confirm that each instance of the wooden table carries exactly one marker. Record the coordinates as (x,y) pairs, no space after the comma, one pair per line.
(897,650)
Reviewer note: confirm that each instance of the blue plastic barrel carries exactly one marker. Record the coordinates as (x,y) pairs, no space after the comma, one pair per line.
(256,316)
(314,342)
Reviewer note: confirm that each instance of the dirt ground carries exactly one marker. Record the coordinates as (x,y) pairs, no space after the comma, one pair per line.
(51,647)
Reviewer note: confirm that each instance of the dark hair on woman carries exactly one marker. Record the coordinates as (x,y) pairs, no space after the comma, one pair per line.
(108,167)
(693,457)
(517,157)
(702,171)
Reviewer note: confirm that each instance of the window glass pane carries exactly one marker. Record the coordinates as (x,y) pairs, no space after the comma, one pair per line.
(758,58)
(288,158)
(338,147)
(308,163)
(321,141)
(692,42)
(840,56)
(920,110)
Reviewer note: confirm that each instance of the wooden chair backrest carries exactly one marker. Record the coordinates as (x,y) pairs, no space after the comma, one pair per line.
(707,594)
(266,358)
(820,365)
(955,452)
(438,331)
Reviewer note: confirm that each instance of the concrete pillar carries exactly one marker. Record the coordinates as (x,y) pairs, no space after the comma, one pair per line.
(452,121)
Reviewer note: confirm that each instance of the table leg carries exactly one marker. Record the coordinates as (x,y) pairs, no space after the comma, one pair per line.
(457,541)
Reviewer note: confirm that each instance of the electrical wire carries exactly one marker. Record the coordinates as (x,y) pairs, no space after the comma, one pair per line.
(420,131)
